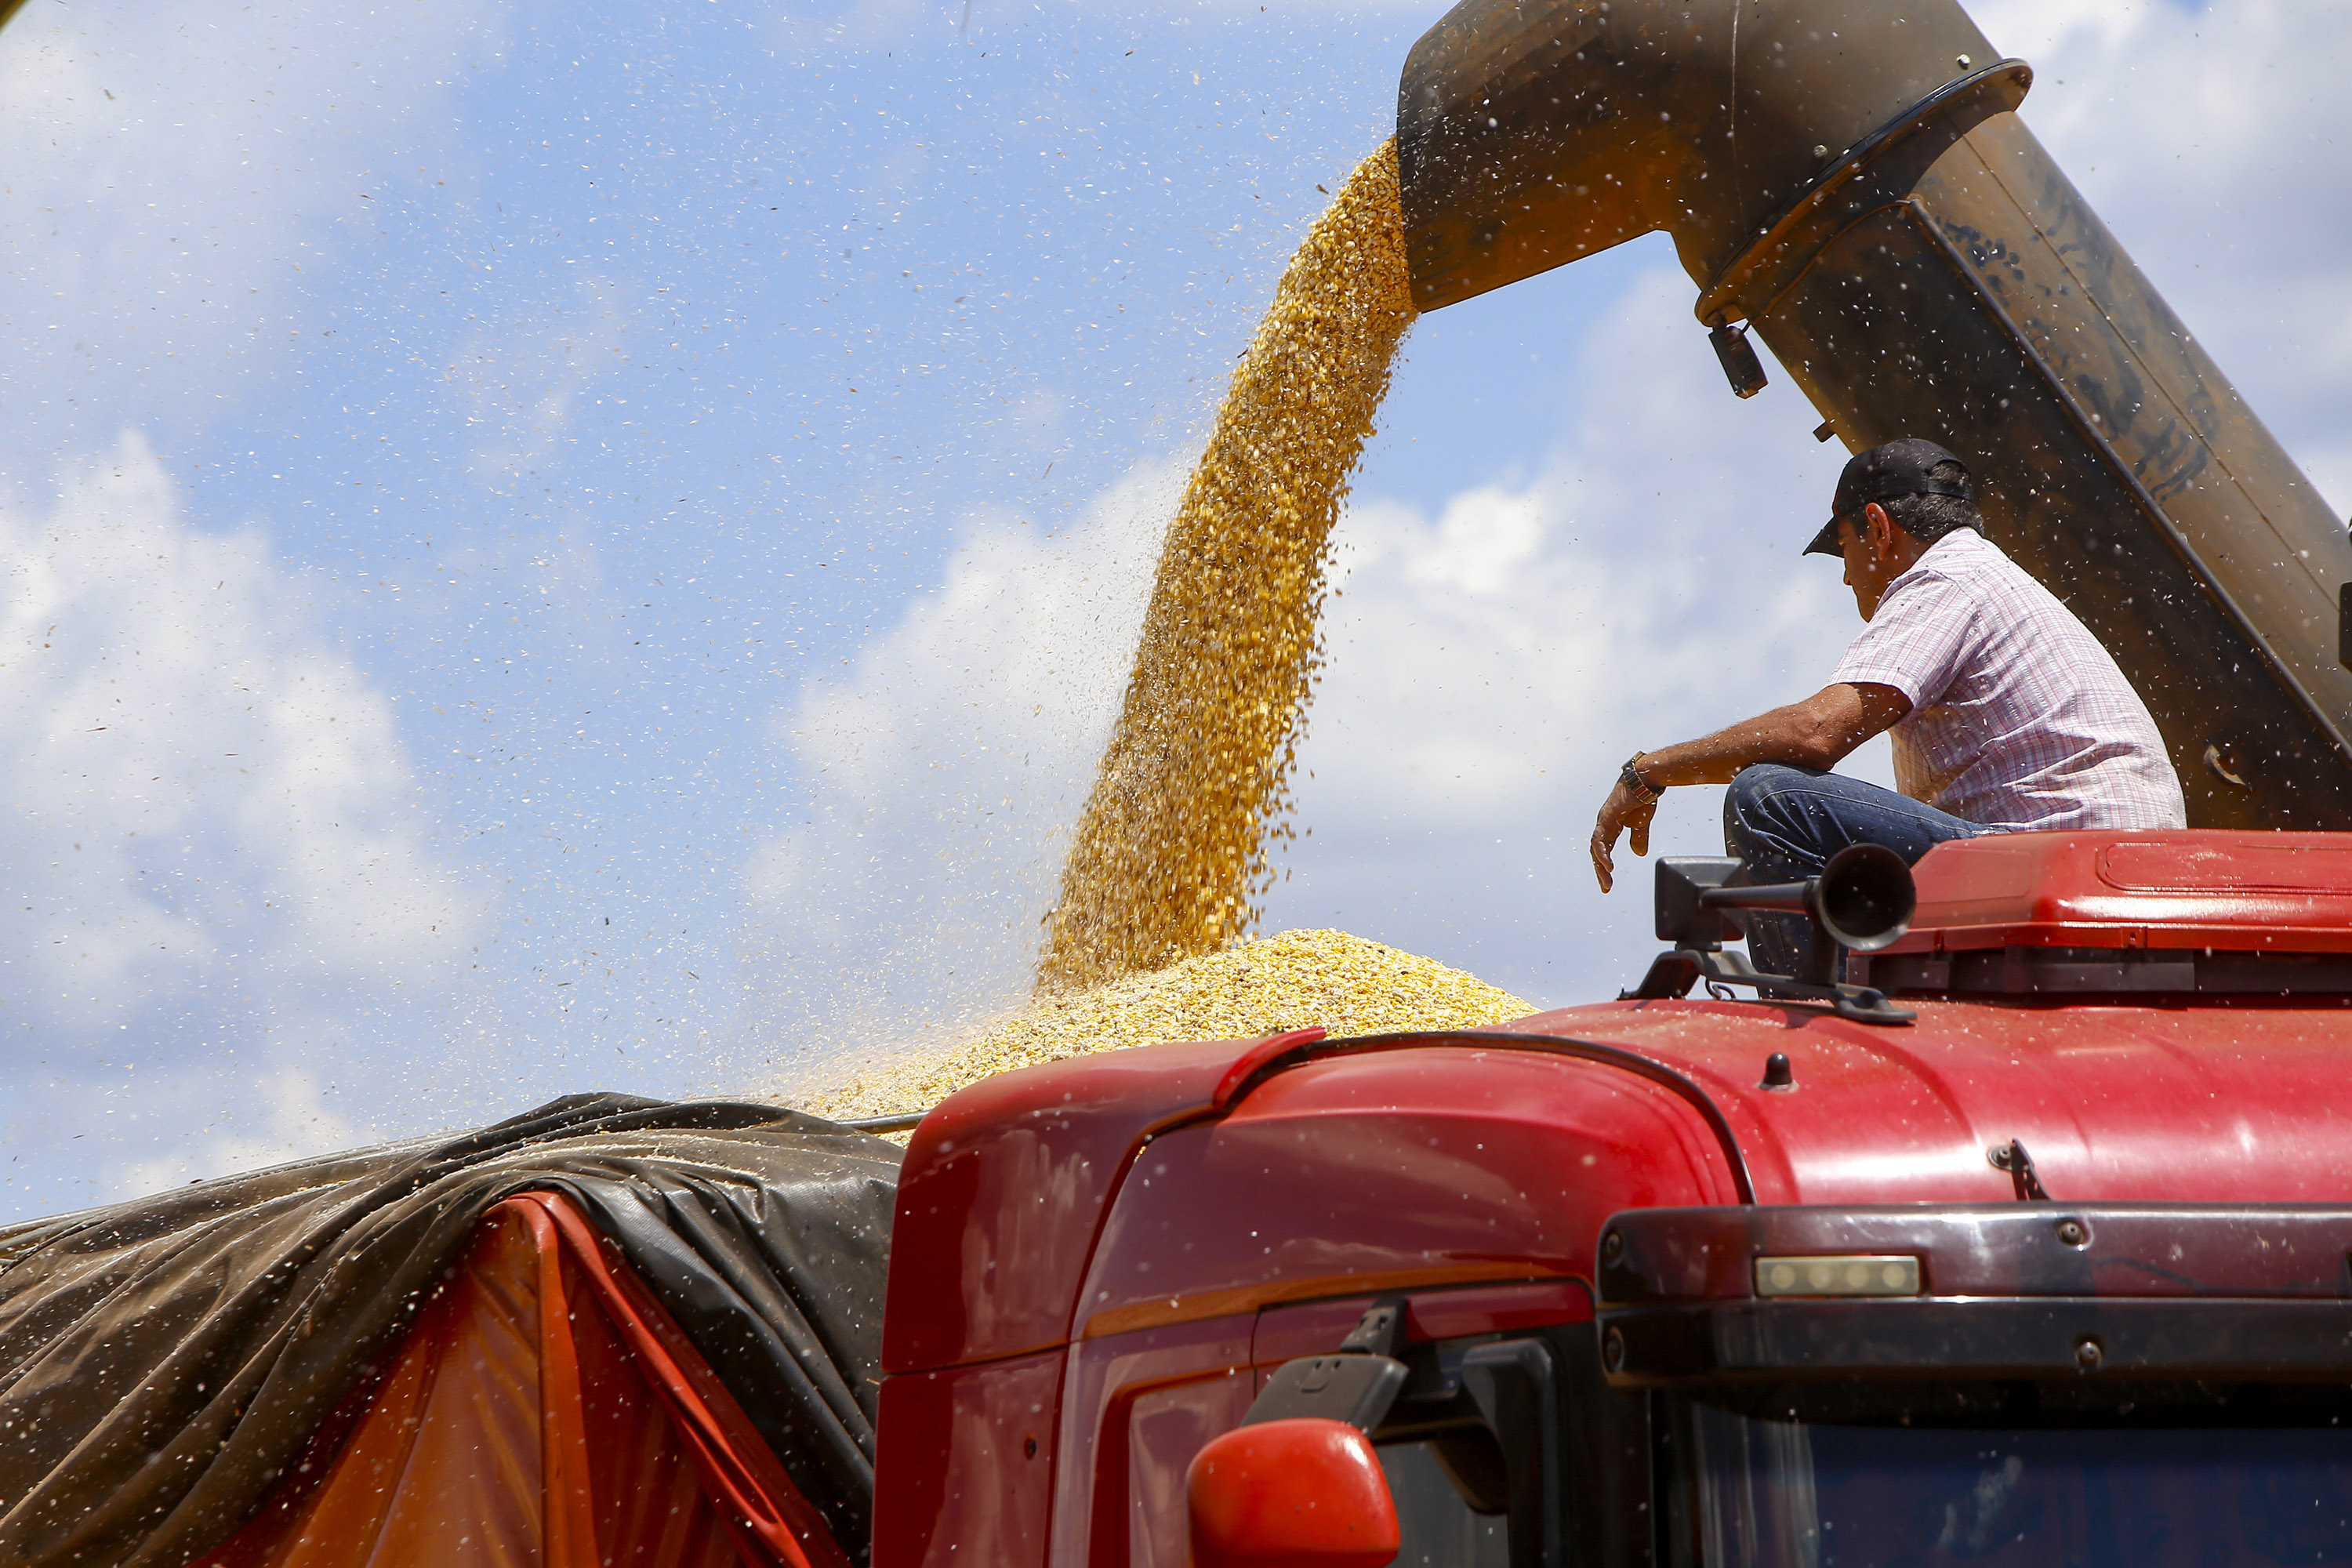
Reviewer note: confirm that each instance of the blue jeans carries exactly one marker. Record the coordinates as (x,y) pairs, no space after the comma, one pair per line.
(1785,823)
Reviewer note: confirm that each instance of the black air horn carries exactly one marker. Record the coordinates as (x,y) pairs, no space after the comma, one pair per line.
(1861,902)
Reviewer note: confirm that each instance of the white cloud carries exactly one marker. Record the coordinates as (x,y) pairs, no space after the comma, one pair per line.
(213,819)
(220,883)
(283,1113)
(946,765)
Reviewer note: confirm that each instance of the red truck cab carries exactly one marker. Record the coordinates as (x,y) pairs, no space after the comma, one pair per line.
(2054,1272)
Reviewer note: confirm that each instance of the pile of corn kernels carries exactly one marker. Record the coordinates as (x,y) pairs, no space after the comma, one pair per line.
(1301,978)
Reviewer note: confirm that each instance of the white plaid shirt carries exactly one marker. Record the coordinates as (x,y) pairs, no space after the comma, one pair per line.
(2019,718)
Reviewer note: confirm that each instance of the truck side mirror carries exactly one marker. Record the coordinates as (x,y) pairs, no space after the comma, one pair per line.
(1302,1493)
(1682,918)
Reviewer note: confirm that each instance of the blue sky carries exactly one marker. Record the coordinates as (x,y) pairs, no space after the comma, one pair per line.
(568,547)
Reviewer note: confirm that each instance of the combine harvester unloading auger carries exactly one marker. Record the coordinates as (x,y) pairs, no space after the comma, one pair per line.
(1473,1297)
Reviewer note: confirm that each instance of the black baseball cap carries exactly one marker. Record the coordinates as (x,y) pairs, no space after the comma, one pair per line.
(1883,473)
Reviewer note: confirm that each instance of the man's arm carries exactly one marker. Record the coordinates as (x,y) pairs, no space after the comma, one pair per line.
(1817,732)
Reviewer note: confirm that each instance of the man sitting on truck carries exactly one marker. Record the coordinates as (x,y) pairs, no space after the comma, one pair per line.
(2006,714)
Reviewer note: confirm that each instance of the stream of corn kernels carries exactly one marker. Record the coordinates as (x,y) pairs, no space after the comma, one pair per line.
(1170,858)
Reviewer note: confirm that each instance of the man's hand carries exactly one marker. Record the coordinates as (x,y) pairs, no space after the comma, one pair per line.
(1815,733)
(1623,810)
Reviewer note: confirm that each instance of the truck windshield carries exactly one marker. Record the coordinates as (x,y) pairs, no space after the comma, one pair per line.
(1751,1493)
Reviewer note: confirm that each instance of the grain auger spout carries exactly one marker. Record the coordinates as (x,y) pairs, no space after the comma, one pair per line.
(1851,184)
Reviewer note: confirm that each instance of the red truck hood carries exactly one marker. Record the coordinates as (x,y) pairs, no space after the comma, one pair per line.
(1494,1153)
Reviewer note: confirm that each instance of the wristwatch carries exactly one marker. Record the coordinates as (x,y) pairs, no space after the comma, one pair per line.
(1630,776)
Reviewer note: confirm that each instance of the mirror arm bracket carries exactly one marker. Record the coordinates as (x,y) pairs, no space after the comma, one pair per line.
(1674,974)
